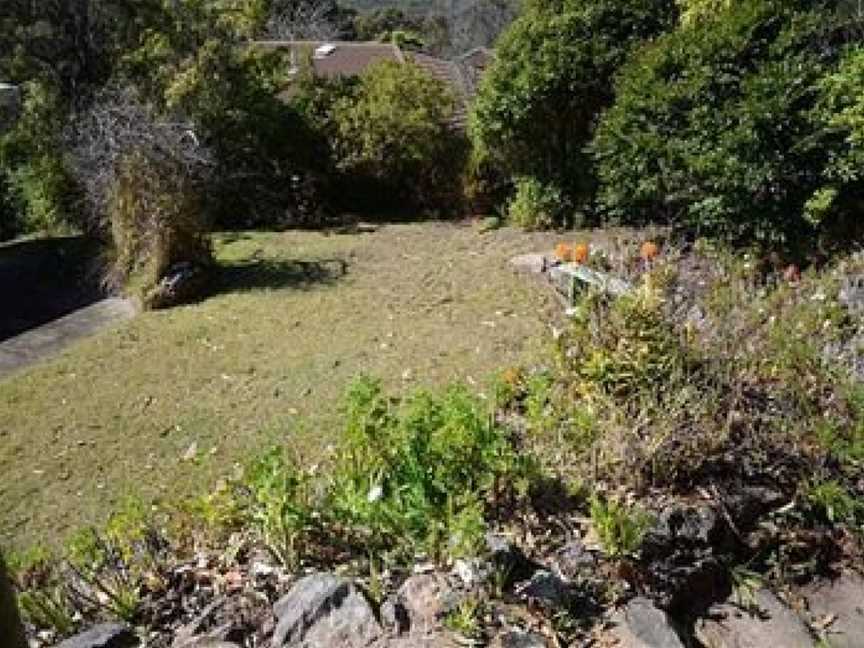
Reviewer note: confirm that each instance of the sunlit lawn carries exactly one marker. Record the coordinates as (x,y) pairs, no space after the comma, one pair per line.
(266,358)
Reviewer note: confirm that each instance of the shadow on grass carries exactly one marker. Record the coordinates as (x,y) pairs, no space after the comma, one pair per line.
(260,274)
(43,279)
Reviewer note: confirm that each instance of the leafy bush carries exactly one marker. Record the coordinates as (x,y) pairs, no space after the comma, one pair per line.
(40,191)
(620,528)
(279,505)
(395,131)
(416,476)
(538,206)
(552,76)
(713,129)
(696,11)
(99,571)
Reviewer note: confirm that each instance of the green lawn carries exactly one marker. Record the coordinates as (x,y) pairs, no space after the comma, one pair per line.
(296,315)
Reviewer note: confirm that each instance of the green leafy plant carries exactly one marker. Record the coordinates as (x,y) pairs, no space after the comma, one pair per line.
(465,618)
(709,118)
(552,75)
(835,502)
(620,528)
(414,476)
(42,596)
(394,131)
(278,504)
(538,206)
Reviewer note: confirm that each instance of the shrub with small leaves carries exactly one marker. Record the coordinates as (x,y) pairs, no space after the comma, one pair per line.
(537,206)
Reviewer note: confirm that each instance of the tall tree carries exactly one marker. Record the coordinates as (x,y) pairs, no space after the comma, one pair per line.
(552,76)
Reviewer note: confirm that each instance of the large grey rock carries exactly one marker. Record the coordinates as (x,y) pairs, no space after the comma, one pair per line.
(684,553)
(642,625)
(770,624)
(208,642)
(838,607)
(324,611)
(105,635)
(572,278)
(426,599)
(851,293)
(546,588)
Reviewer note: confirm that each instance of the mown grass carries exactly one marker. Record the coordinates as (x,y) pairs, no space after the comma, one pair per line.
(294,317)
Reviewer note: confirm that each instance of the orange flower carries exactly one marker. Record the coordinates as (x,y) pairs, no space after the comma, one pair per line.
(649,251)
(562,252)
(580,253)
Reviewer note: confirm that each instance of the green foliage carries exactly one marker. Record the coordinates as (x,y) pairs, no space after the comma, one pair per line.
(551,77)
(840,112)
(192,62)
(537,206)
(712,127)
(278,505)
(42,597)
(41,195)
(415,476)
(833,501)
(619,527)
(394,130)
(624,348)
(98,572)
(699,11)
(465,618)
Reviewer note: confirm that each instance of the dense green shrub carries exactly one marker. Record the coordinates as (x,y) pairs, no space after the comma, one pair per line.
(407,477)
(713,126)
(395,132)
(840,113)
(416,476)
(535,205)
(41,193)
(552,75)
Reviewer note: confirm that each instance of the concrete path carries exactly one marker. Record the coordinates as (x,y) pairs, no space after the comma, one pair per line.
(50,339)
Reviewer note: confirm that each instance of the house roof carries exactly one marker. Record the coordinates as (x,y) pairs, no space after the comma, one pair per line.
(342,59)
(338,58)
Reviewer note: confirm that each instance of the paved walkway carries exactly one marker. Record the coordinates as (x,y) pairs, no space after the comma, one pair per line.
(50,339)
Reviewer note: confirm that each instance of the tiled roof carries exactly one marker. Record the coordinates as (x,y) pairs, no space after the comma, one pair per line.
(461,74)
(345,59)
(449,73)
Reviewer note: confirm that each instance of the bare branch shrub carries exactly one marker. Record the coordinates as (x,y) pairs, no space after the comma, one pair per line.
(145,184)
(310,20)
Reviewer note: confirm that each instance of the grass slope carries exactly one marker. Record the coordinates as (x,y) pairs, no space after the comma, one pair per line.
(276,345)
